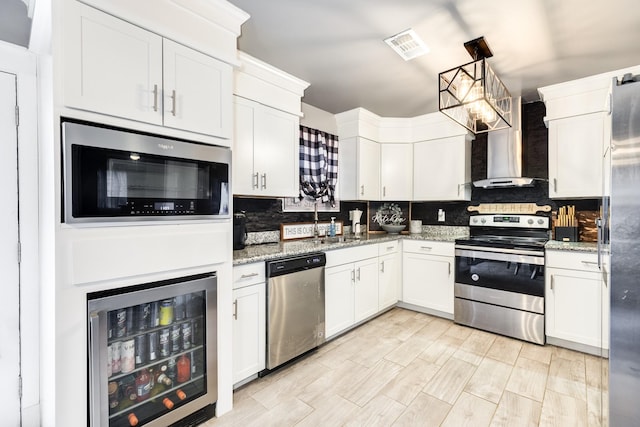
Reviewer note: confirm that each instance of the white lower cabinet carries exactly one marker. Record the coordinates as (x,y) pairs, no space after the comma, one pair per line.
(427,275)
(249,320)
(577,301)
(351,287)
(389,274)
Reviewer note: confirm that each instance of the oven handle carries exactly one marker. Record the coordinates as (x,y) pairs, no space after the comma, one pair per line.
(502,250)
(502,255)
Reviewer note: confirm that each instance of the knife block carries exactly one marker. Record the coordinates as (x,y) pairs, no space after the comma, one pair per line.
(566,234)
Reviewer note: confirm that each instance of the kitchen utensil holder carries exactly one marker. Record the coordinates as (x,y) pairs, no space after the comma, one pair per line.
(566,234)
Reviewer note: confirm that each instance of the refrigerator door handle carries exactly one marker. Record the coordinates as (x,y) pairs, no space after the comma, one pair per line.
(98,412)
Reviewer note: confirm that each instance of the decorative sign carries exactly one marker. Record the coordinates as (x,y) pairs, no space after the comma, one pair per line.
(305,230)
(404,209)
(294,204)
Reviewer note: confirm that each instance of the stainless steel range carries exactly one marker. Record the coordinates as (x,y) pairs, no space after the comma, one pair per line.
(499,275)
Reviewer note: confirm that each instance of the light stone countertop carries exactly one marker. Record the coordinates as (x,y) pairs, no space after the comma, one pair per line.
(270,251)
(571,246)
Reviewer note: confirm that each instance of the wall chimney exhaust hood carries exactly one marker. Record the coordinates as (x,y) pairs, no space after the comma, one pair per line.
(504,155)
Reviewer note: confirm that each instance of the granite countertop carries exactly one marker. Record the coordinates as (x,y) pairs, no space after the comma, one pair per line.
(269,251)
(571,246)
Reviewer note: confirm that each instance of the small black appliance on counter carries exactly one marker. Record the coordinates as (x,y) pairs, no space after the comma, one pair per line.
(239,230)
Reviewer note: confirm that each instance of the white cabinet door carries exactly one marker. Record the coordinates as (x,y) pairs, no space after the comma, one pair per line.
(576,150)
(111,66)
(197,91)
(442,169)
(427,281)
(396,171)
(368,170)
(245,181)
(339,302)
(265,151)
(249,331)
(276,152)
(574,307)
(388,280)
(365,289)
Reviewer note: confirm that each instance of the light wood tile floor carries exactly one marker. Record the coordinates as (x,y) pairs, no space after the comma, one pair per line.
(411,369)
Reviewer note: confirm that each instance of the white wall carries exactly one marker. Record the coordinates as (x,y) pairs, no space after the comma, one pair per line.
(316,118)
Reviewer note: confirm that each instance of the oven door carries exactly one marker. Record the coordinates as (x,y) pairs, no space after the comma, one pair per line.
(509,270)
(117,175)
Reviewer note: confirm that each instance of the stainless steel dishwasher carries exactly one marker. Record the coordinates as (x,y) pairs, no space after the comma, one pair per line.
(295,307)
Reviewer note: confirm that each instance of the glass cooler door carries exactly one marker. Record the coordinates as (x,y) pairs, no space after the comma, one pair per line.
(148,351)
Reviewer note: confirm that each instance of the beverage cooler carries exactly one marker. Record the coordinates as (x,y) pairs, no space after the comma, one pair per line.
(152,353)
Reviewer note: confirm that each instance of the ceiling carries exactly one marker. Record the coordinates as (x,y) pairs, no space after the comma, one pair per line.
(338,47)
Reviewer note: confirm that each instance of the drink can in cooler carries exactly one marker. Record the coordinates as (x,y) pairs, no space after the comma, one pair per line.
(166,312)
(178,307)
(175,338)
(154,315)
(127,356)
(153,345)
(165,344)
(186,335)
(115,356)
(141,349)
(121,323)
(130,323)
(143,316)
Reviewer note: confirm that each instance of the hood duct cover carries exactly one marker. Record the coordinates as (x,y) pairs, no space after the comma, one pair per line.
(504,156)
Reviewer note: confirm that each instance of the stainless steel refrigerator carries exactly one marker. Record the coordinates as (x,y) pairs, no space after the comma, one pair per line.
(624,227)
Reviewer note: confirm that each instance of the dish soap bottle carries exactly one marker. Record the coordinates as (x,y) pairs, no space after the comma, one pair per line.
(332,227)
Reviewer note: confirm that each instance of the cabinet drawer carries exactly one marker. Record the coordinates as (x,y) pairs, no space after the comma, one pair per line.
(388,247)
(429,247)
(585,261)
(248,274)
(349,255)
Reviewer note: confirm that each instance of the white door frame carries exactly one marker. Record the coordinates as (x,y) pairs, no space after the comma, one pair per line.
(22,63)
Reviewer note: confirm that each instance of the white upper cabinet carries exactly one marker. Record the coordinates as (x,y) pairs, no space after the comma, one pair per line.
(421,158)
(265,151)
(115,68)
(396,167)
(197,91)
(442,169)
(266,147)
(111,66)
(577,146)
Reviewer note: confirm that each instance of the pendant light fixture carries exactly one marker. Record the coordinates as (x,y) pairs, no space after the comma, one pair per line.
(473,95)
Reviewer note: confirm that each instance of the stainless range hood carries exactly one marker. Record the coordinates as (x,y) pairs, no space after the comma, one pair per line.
(504,155)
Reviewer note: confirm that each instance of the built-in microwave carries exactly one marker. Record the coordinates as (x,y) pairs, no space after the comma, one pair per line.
(114,174)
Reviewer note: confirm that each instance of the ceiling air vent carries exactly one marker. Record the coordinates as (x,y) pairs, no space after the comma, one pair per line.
(407,44)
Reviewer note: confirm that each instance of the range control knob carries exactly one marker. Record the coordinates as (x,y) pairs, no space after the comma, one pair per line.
(474,220)
(530,221)
(540,221)
(483,220)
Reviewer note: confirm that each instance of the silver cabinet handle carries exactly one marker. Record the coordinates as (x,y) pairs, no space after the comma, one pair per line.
(390,248)
(246,276)
(235,309)
(358,274)
(155,98)
(590,263)
(551,282)
(362,190)
(264,180)
(255,180)
(173,103)
(353,276)
(382,267)
(426,248)
(555,185)
(384,191)
(449,267)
